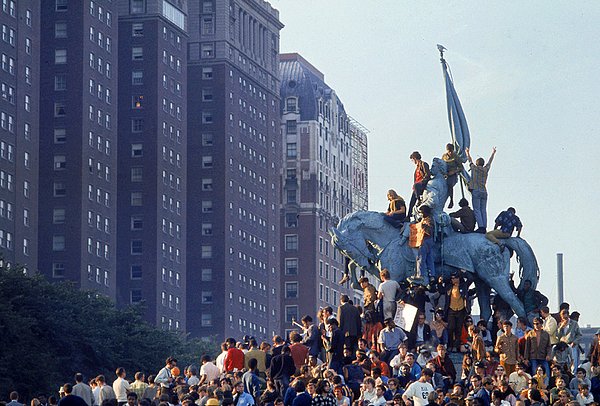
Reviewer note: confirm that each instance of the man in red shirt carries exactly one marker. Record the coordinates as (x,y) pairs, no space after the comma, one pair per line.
(299,351)
(234,359)
(421,177)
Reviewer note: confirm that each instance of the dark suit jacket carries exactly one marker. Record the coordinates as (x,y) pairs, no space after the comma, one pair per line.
(337,345)
(412,335)
(312,340)
(535,351)
(484,396)
(302,399)
(349,318)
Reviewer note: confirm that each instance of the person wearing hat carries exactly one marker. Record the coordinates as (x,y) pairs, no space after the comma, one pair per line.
(212,402)
(389,340)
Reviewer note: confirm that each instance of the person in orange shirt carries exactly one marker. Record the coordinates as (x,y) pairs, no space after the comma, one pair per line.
(299,351)
(376,362)
(234,359)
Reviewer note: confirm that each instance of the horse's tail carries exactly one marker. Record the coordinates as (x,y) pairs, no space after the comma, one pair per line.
(528,266)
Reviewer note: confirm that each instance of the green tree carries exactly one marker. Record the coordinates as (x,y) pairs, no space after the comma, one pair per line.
(50,331)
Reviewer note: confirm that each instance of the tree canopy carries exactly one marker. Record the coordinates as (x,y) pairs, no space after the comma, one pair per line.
(50,331)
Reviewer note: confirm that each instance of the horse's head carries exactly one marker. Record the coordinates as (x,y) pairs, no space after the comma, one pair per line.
(438,167)
(351,240)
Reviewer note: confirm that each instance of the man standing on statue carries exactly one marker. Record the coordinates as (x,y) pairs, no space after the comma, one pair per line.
(421,177)
(455,167)
(479,175)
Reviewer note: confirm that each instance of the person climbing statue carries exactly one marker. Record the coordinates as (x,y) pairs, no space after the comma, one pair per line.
(479,175)
(396,211)
(425,230)
(420,179)
(455,167)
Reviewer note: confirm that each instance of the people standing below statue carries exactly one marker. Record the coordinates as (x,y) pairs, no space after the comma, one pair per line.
(457,307)
(372,320)
(506,222)
(463,220)
(569,333)
(479,175)
(454,169)
(533,300)
(387,292)
(421,177)
(396,211)
(425,229)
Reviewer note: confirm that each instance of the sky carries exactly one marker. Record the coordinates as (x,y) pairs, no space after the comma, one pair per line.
(527,74)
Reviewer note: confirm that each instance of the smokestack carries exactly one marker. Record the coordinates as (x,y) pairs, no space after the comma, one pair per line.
(559,277)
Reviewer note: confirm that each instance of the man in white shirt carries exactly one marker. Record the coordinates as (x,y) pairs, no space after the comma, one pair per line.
(164,377)
(121,386)
(387,292)
(208,371)
(83,390)
(220,361)
(419,391)
(550,325)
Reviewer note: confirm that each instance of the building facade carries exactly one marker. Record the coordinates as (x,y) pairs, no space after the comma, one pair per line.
(151,203)
(317,189)
(78,138)
(233,169)
(19,131)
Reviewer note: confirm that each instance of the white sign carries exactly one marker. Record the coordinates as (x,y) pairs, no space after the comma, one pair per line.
(405,316)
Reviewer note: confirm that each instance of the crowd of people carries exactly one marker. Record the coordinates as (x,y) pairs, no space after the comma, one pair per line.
(358,356)
(352,358)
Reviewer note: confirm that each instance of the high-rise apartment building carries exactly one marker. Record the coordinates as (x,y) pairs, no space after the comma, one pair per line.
(233,169)
(151,203)
(318,188)
(19,131)
(78,140)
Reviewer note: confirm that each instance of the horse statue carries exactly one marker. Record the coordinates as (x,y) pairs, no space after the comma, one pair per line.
(371,243)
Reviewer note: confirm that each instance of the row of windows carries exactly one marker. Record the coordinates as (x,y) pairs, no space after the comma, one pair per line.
(101,118)
(96,220)
(174,230)
(170,252)
(8,64)
(7,151)
(94,141)
(327,295)
(6,240)
(253,196)
(6,210)
(102,197)
(97,90)
(174,206)
(96,63)
(10,7)
(102,16)
(171,302)
(171,132)
(103,41)
(99,168)
(99,248)
(168,324)
(98,275)
(7,181)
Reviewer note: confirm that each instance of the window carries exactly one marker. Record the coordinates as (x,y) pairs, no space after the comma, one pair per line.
(208,26)
(291,126)
(60,30)
(291,195)
(27,103)
(291,242)
(206,275)
(291,266)
(207,95)
(137,125)
(137,30)
(291,104)
(58,270)
(291,220)
(207,229)
(58,243)
(207,117)
(137,54)
(291,290)
(291,150)
(60,135)
(206,251)
(207,161)
(28,46)
(137,223)
(136,272)
(207,206)
(136,247)
(137,150)
(137,174)
(207,184)
(138,6)
(136,198)
(207,297)
(135,296)
(207,140)
(137,77)
(60,5)
(60,162)
(206,320)
(137,102)
(207,73)
(208,50)
(60,56)
(291,314)
(60,82)
(28,17)
(60,190)
(59,109)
